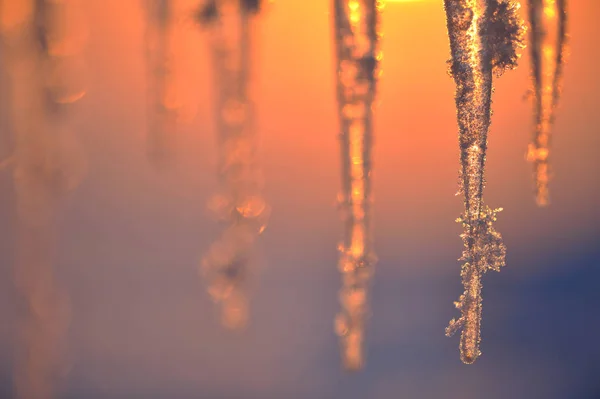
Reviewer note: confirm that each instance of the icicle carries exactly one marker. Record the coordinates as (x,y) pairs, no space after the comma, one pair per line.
(484,38)
(358,56)
(239,203)
(162,110)
(42,48)
(548,19)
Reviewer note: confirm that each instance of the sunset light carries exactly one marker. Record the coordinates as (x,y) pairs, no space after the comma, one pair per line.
(299,199)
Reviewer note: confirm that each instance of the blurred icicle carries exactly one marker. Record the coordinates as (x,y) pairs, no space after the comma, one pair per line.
(6,162)
(239,204)
(162,110)
(42,46)
(484,38)
(358,56)
(548,36)
(6,150)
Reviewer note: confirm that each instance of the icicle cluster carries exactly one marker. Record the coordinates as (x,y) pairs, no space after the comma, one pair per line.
(358,56)
(240,203)
(484,38)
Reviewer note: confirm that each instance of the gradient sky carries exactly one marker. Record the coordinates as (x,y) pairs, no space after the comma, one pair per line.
(143,325)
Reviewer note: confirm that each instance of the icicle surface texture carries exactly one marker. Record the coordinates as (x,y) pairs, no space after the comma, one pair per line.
(42,42)
(162,109)
(356,37)
(484,38)
(548,34)
(240,203)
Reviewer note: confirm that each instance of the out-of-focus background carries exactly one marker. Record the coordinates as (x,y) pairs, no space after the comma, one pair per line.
(131,238)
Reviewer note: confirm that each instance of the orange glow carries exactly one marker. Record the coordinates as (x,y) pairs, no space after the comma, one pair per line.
(70,99)
(550,8)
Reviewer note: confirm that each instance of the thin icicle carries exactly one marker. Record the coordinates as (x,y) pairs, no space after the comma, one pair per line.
(42,49)
(162,110)
(358,55)
(548,34)
(484,36)
(240,203)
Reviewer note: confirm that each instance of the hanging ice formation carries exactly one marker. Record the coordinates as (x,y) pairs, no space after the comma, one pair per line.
(239,203)
(42,48)
(161,108)
(548,33)
(484,38)
(358,56)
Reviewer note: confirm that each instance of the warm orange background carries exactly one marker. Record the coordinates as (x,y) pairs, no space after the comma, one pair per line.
(416,154)
(132,238)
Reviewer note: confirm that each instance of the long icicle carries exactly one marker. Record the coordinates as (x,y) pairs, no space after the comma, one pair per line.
(484,36)
(240,203)
(161,109)
(42,51)
(548,34)
(358,55)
